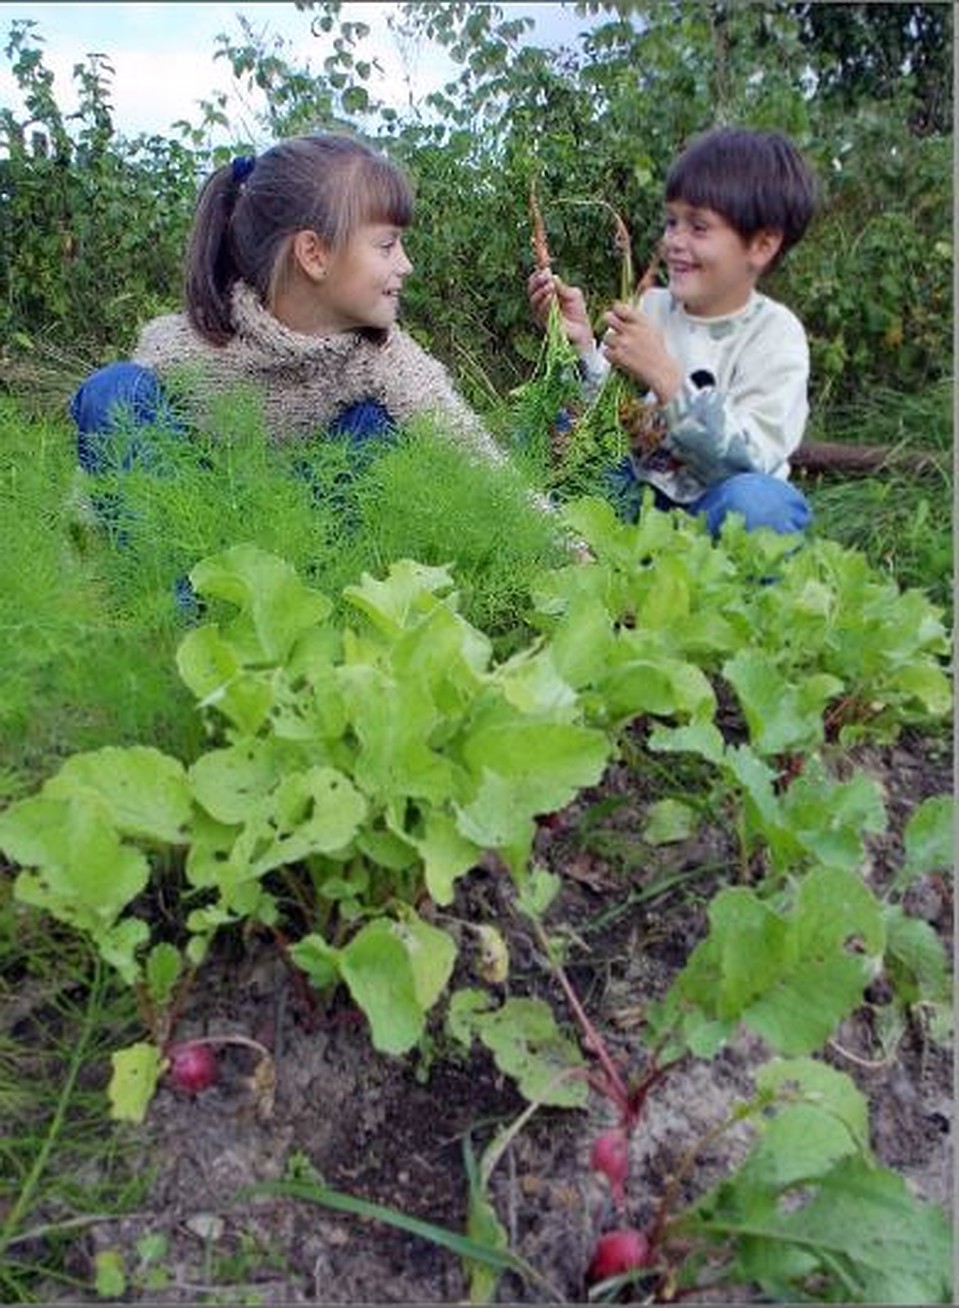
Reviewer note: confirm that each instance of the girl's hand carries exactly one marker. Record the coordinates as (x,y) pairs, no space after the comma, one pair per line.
(544,286)
(634,345)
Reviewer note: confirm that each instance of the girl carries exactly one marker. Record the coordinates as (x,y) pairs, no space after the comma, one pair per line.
(295,268)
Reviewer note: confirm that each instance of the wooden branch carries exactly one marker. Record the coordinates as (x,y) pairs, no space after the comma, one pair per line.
(845,458)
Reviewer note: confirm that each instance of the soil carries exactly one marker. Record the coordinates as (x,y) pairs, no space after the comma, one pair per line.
(391,1131)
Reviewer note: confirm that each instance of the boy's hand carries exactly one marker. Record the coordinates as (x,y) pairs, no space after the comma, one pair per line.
(634,345)
(544,286)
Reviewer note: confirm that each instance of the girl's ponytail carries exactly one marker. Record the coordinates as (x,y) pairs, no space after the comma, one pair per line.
(210,263)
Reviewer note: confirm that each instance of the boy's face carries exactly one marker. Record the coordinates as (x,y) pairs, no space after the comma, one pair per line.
(712,269)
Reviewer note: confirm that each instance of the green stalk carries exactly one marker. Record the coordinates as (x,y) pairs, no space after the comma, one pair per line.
(77,1056)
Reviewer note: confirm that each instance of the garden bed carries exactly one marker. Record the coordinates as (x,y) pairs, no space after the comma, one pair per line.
(391,1131)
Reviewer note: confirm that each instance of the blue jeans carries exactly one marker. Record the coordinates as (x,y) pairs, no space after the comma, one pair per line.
(116,406)
(763,501)
(113,406)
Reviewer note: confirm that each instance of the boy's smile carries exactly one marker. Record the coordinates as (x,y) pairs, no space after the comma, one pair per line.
(712,269)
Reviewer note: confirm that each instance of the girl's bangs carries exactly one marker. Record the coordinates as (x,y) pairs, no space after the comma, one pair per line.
(382,194)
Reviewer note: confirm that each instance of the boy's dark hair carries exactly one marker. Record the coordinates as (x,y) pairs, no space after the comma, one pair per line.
(245,216)
(756,179)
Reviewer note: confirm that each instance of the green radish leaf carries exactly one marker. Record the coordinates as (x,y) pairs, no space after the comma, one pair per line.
(929,837)
(84,874)
(110,1279)
(393,721)
(446,853)
(928,684)
(582,645)
(461,1012)
(666,603)
(136,1072)
(757,780)
(391,849)
(319,960)
(276,607)
(821,1118)
(498,818)
(668,821)
(790,977)
(702,738)
(823,976)
(211,667)
(781,715)
(596,522)
(145,793)
(164,965)
(444,652)
(431,954)
(915,959)
(531,682)
(119,944)
(407,593)
(378,969)
(545,763)
(527,1045)
(235,782)
(829,819)
(318,811)
(662,686)
(862,1237)
(809,1214)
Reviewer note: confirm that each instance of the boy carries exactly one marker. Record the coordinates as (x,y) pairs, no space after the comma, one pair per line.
(728,365)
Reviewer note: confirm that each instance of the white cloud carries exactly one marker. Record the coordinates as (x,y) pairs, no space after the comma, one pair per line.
(163,54)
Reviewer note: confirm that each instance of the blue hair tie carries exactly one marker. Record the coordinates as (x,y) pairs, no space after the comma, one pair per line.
(242,166)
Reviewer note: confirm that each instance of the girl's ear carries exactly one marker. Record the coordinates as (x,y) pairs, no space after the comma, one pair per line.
(310,255)
(764,247)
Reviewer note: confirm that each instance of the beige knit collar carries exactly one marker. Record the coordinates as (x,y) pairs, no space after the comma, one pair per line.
(257,326)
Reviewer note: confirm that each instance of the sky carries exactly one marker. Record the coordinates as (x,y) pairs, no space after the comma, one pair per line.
(163,53)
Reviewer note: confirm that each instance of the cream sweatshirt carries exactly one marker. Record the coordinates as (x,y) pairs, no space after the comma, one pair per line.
(743,404)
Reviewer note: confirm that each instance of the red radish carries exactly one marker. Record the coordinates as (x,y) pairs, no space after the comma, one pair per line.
(617,1252)
(193,1067)
(610,1155)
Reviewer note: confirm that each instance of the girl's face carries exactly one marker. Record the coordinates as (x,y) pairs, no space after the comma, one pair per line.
(364,279)
(712,269)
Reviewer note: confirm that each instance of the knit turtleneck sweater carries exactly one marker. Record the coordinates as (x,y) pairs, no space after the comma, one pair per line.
(304,382)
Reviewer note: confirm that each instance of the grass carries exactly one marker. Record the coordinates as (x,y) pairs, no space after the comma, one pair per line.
(903,523)
(59,1160)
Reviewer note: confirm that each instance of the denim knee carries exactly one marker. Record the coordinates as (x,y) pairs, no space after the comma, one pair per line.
(363,424)
(110,405)
(761,500)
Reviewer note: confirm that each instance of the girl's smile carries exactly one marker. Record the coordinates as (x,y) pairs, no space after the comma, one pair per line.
(364,281)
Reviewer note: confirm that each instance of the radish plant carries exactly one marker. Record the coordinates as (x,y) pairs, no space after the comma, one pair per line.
(377,763)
